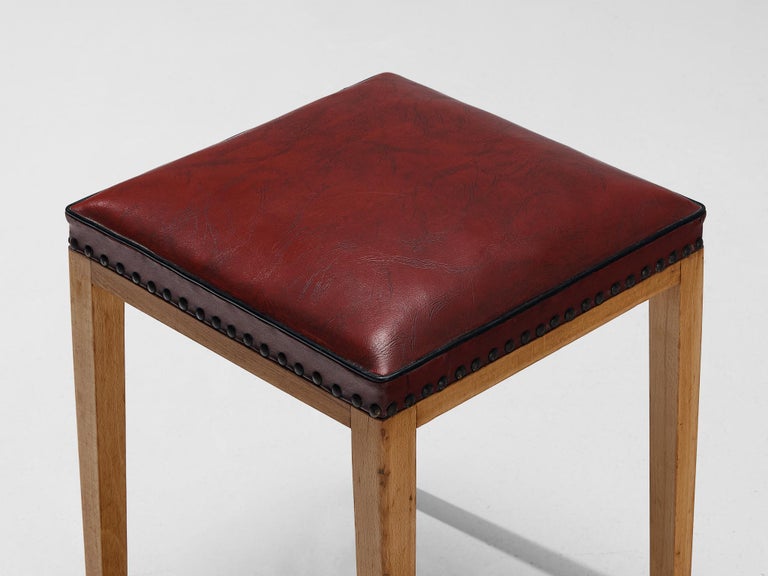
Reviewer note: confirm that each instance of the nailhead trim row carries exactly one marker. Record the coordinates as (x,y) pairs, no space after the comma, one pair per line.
(335,389)
(570,313)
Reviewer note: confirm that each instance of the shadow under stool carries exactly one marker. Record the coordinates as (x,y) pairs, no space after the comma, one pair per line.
(383,255)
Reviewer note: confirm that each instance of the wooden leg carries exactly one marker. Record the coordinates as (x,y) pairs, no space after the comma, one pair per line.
(675,355)
(384,473)
(99,362)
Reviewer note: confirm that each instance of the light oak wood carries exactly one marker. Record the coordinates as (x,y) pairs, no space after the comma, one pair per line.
(384,484)
(99,368)
(507,365)
(384,452)
(427,409)
(221,344)
(675,356)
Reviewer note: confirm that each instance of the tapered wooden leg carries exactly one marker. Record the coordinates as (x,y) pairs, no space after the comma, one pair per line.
(99,362)
(384,473)
(675,355)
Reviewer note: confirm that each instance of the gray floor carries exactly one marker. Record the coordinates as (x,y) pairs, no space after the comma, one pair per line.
(546,473)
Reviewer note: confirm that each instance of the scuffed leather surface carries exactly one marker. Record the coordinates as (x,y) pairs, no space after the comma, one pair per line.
(393,231)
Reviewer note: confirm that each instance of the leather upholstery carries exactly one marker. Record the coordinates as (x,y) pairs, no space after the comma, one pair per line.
(387,238)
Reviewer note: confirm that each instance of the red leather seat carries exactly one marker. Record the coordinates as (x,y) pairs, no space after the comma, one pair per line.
(387,240)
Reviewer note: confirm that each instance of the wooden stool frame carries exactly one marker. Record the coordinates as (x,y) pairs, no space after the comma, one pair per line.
(384,452)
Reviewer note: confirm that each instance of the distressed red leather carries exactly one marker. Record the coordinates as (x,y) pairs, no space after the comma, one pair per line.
(386,240)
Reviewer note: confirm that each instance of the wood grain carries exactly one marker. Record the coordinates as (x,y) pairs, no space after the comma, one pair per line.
(222,344)
(675,357)
(384,452)
(99,368)
(521,358)
(384,483)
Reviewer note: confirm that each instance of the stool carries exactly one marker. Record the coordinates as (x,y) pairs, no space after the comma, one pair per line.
(385,254)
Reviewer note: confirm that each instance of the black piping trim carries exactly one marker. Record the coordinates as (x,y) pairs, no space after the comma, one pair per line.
(374,410)
(701,212)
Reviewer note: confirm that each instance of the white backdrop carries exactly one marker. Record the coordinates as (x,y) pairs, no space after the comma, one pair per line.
(229,476)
